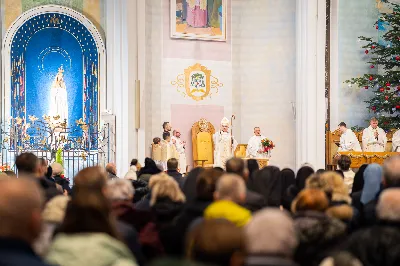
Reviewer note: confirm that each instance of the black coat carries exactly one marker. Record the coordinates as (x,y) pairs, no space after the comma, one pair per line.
(377,245)
(18,253)
(319,235)
(191,212)
(177,176)
(254,201)
(267,183)
(130,237)
(166,212)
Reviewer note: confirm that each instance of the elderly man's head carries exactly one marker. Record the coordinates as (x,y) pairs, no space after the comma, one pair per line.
(57,168)
(230,187)
(237,166)
(391,172)
(278,237)
(20,209)
(388,208)
(120,189)
(111,168)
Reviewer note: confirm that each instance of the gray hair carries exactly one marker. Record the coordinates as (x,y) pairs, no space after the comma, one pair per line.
(391,172)
(388,207)
(57,168)
(120,189)
(278,237)
(230,186)
(343,258)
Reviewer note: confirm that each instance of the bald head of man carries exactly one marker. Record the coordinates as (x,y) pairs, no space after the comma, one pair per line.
(21,203)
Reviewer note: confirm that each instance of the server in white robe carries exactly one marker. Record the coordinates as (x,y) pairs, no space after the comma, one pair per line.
(396,141)
(224,144)
(254,146)
(374,138)
(348,140)
(180,148)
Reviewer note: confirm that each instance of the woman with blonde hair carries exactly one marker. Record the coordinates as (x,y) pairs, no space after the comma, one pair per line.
(167,202)
(337,191)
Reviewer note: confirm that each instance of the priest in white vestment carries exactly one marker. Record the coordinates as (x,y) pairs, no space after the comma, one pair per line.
(224,144)
(180,148)
(396,141)
(254,146)
(374,138)
(348,140)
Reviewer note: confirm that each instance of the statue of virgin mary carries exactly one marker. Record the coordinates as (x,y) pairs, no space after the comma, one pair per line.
(58,97)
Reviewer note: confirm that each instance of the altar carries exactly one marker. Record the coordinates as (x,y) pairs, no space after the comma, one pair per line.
(240,152)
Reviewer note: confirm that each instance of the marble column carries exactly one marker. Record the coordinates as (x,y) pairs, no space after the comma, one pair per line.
(310,83)
(121,45)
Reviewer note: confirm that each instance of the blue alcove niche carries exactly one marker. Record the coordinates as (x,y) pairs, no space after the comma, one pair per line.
(42,45)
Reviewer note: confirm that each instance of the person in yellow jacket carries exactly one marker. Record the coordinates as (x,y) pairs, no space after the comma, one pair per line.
(229,194)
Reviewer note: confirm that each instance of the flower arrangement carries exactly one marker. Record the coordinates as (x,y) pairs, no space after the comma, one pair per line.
(267,145)
(5,167)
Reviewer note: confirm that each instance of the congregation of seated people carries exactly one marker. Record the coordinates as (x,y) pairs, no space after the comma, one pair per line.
(241,216)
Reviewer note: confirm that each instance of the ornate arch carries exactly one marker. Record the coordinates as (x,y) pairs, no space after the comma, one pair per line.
(14,65)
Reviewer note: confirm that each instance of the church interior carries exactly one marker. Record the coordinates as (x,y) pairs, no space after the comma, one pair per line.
(129,66)
(200,132)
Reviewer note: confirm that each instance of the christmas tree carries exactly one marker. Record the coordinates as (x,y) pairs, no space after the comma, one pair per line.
(384,79)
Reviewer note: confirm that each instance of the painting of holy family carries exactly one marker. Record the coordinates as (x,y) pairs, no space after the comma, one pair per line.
(198,19)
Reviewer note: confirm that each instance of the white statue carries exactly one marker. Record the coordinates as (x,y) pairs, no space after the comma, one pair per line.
(58,97)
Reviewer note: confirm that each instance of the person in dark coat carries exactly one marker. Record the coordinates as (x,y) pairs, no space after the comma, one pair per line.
(28,166)
(150,168)
(120,192)
(189,188)
(380,243)
(267,183)
(288,178)
(252,166)
(391,179)
(318,233)
(302,175)
(59,178)
(370,189)
(254,201)
(141,190)
(19,229)
(167,202)
(172,166)
(358,183)
(205,188)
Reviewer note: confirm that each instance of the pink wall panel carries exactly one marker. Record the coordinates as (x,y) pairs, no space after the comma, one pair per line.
(196,49)
(184,116)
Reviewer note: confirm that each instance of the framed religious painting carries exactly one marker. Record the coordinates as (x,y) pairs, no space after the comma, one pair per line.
(199,19)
